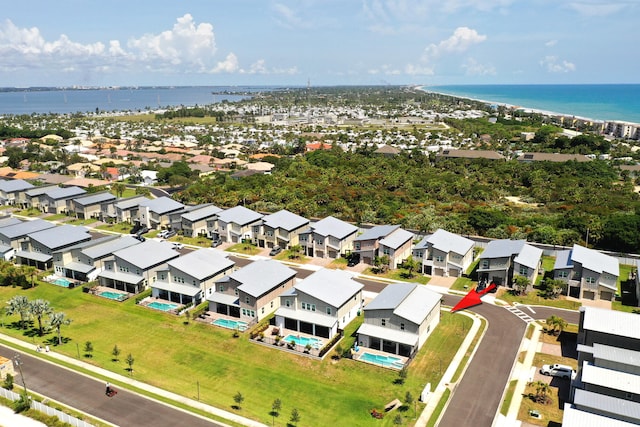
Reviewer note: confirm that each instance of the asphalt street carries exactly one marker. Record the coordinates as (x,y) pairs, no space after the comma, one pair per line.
(88,395)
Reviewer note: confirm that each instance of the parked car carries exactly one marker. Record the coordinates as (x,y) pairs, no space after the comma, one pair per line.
(178,246)
(275,250)
(216,243)
(170,233)
(354,259)
(142,231)
(557,370)
(141,238)
(162,234)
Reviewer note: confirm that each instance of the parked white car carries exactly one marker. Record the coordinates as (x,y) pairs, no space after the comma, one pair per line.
(557,370)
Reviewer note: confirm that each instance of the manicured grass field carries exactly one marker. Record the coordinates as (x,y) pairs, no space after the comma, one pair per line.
(177,356)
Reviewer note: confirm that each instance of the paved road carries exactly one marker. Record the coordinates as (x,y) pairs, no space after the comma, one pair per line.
(87,395)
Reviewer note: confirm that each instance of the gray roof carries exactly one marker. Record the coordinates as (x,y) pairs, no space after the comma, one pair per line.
(36,191)
(14,185)
(147,254)
(162,205)
(563,260)
(611,322)
(610,378)
(80,267)
(36,256)
(616,354)
(603,403)
(61,236)
(407,300)
(94,199)
(89,243)
(446,241)
(315,317)
(397,238)
(181,288)
(504,248)
(334,227)
(10,220)
(223,298)
(239,215)
(377,232)
(64,192)
(262,276)
(573,417)
(134,279)
(107,247)
(201,213)
(335,287)
(285,220)
(130,202)
(24,228)
(529,256)
(593,260)
(202,263)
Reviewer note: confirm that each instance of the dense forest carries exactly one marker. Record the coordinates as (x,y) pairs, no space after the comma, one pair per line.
(555,203)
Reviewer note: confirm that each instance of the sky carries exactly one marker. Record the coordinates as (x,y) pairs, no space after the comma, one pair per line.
(318,42)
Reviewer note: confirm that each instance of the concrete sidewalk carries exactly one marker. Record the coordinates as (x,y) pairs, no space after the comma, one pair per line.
(119,380)
(445,382)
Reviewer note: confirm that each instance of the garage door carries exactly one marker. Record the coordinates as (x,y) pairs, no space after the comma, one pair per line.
(589,295)
(606,296)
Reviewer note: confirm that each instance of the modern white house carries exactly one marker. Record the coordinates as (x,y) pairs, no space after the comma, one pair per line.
(502,259)
(281,229)
(189,278)
(384,240)
(37,250)
(589,274)
(252,292)
(606,390)
(328,238)
(12,192)
(321,305)
(134,268)
(399,319)
(235,224)
(444,254)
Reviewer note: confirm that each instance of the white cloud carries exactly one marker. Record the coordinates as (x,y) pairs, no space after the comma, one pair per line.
(473,68)
(229,65)
(597,8)
(288,18)
(418,70)
(551,43)
(554,65)
(461,39)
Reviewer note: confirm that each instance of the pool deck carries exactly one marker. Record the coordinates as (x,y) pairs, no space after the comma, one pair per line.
(97,290)
(363,350)
(145,303)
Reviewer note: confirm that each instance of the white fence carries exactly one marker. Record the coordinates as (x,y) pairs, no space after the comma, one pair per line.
(66,418)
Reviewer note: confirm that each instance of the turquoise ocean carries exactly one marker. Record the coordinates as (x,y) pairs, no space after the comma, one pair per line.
(610,102)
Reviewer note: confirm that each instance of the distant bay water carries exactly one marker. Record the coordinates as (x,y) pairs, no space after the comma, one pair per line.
(43,101)
(610,102)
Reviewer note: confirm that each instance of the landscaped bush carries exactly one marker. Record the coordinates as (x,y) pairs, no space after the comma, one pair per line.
(330,344)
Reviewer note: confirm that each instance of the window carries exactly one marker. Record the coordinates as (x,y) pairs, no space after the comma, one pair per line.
(329,311)
(418,254)
(287,303)
(356,246)
(524,271)
(235,291)
(402,326)
(384,322)
(220,288)
(247,300)
(262,310)
(563,274)
(439,258)
(386,251)
(590,280)
(307,306)
(485,263)
(320,241)
(271,304)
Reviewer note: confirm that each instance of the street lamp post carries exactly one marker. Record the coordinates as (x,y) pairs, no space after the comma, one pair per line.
(18,363)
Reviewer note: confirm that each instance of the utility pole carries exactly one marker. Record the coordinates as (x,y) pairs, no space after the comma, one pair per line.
(18,363)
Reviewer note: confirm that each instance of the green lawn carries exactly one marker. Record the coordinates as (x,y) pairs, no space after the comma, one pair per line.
(175,356)
(29,212)
(121,227)
(399,274)
(244,248)
(532,298)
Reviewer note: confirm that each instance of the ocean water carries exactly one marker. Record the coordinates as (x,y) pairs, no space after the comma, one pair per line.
(124,99)
(611,102)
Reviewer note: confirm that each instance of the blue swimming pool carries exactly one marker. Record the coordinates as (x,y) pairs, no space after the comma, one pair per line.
(62,282)
(303,341)
(162,306)
(113,295)
(231,324)
(386,361)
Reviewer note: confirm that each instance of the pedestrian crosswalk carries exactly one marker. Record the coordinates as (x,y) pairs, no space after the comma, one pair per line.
(521,314)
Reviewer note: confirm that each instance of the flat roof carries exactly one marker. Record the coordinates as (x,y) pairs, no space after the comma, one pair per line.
(261,276)
(147,254)
(334,227)
(202,263)
(239,215)
(402,337)
(61,236)
(611,322)
(335,287)
(179,288)
(285,220)
(23,228)
(446,241)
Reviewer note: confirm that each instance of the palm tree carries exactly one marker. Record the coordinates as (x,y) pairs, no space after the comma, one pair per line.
(118,188)
(19,304)
(542,392)
(56,321)
(556,324)
(40,308)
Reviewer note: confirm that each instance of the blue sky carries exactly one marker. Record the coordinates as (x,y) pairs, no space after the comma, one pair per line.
(324,42)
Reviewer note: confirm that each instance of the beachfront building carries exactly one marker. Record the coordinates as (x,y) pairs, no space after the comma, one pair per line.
(235,225)
(502,259)
(37,250)
(444,254)
(132,269)
(320,305)
(252,292)
(606,389)
(400,319)
(328,238)
(281,229)
(84,261)
(187,279)
(589,274)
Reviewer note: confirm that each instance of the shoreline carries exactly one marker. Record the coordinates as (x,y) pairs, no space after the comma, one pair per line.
(430,89)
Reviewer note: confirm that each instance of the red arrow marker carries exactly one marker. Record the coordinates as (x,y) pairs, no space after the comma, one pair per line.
(472,298)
